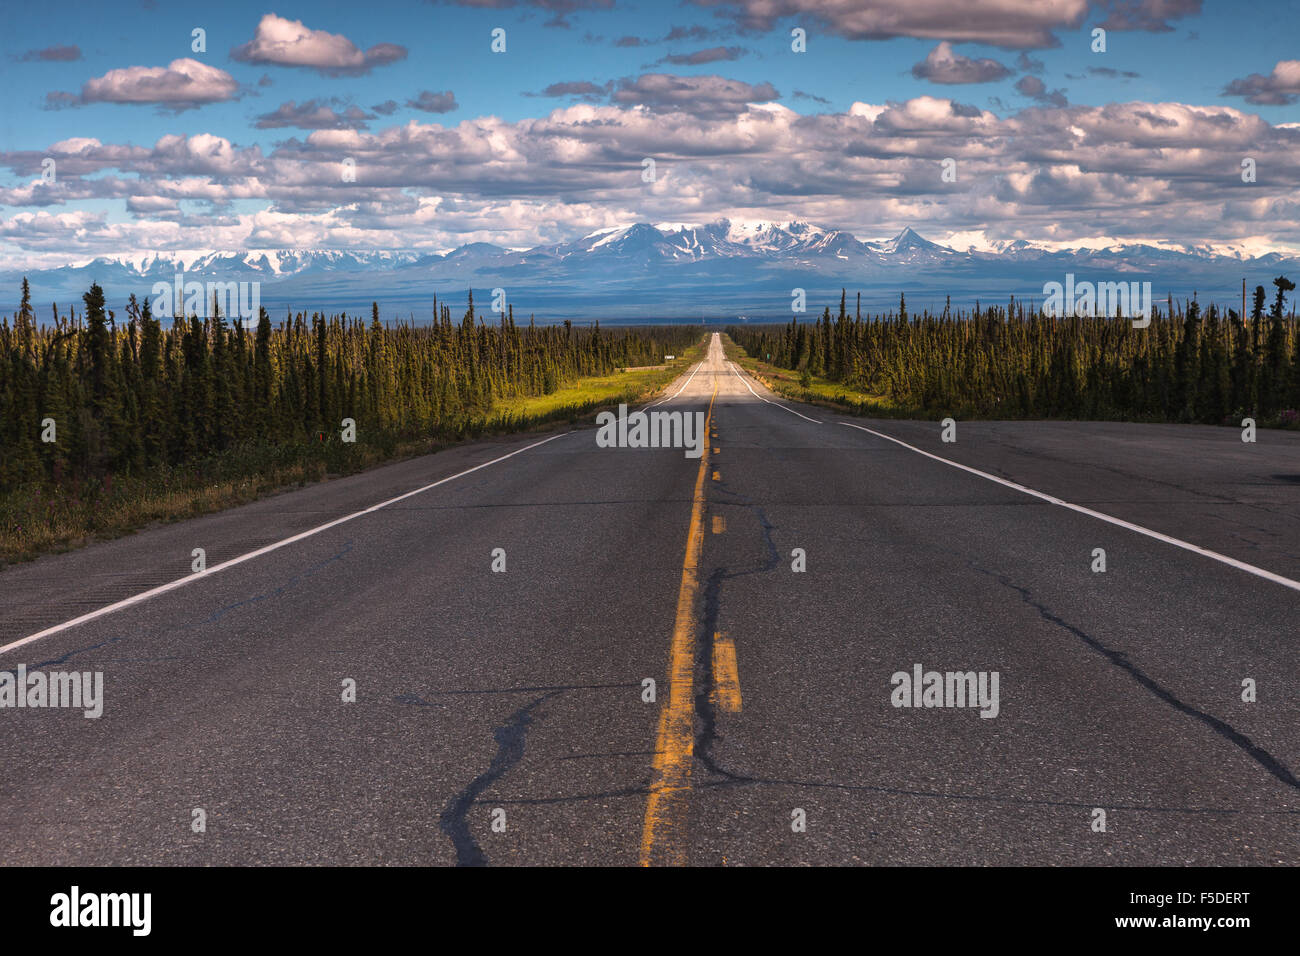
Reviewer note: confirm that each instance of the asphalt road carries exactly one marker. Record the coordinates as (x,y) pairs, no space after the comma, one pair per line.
(517,697)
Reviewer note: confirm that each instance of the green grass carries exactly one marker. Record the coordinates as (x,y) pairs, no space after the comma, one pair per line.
(819,391)
(627,386)
(40,519)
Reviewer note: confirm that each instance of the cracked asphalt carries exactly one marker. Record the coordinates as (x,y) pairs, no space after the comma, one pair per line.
(499,717)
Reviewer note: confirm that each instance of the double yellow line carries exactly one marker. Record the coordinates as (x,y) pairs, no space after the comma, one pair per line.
(663,838)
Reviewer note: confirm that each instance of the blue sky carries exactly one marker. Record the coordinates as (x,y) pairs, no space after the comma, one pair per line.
(1053,142)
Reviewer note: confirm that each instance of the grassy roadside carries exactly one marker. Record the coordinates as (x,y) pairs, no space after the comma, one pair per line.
(838,397)
(588,394)
(815,390)
(35,521)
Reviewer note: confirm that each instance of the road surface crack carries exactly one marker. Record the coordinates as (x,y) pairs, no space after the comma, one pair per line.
(510,737)
(705,712)
(1121,660)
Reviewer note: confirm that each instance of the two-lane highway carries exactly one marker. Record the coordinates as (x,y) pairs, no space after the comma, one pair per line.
(772,589)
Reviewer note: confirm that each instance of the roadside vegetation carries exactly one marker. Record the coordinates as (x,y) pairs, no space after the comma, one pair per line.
(1189,365)
(803,386)
(155,420)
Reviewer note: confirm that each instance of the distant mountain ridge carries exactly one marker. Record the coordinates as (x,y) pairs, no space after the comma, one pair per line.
(714,270)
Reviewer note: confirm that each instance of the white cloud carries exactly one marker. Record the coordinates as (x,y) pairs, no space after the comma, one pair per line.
(1280,87)
(182,84)
(285,42)
(942,65)
(1013,24)
(1059,174)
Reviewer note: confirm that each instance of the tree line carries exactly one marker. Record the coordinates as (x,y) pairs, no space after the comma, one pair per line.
(125,395)
(1189,365)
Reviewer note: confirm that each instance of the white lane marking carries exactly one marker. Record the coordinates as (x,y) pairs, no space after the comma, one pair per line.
(762,399)
(1118,522)
(680,390)
(181,582)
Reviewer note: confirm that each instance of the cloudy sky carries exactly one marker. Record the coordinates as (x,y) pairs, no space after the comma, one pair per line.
(243,142)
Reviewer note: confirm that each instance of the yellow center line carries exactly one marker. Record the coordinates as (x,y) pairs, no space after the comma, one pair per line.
(726,676)
(663,838)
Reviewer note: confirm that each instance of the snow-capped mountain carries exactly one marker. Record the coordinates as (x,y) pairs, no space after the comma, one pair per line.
(724,239)
(266,263)
(671,270)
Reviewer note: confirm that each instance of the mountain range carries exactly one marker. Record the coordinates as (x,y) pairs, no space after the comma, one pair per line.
(718,272)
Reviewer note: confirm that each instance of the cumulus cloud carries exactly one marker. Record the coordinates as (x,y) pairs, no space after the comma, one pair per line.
(183,84)
(429,102)
(1279,88)
(1063,174)
(39,225)
(942,65)
(285,42)
(1011,24)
